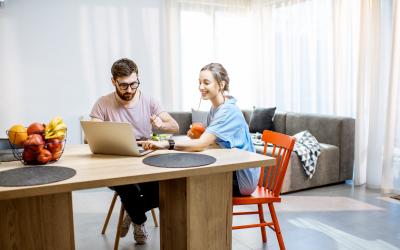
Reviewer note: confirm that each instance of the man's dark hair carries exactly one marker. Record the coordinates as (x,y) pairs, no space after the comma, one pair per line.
(124,67)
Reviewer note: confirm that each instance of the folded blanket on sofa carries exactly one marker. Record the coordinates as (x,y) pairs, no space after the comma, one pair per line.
(307,149)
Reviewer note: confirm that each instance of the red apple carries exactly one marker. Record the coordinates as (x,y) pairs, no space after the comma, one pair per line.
(35,128)
(44,156)
(29,156)
(34,142)
(54,145)
(56,155)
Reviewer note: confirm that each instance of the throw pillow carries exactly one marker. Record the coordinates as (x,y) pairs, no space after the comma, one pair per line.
(262,119)
(199,116)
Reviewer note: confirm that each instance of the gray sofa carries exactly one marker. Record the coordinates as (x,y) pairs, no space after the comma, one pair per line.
(335,135)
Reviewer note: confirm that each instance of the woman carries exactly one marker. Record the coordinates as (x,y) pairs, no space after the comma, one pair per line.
(226,126)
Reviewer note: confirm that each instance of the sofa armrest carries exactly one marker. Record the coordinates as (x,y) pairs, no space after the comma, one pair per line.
(335,130)
(347,144)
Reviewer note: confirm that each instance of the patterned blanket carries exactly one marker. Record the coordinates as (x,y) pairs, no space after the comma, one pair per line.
(307,149)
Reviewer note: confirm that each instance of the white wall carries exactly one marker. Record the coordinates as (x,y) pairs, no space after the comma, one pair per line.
(55,56)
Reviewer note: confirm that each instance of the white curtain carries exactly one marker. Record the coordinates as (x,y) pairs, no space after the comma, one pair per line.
(391,150)
(317,56)
(377,124)
(297,55)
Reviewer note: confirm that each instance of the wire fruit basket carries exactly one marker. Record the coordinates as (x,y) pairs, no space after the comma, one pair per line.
(35,149)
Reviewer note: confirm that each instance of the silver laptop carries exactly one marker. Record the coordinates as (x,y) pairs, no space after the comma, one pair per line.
(112,138)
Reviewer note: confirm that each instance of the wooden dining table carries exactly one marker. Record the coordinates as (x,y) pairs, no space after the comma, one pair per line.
(195,203)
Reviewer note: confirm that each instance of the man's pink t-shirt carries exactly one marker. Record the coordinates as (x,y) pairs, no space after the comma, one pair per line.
(107,108)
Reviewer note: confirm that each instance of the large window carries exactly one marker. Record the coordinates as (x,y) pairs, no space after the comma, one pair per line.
(278,53)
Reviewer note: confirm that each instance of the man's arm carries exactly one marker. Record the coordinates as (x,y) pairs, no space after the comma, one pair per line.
(165,122)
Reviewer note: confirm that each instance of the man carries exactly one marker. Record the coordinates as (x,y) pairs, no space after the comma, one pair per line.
(128,104)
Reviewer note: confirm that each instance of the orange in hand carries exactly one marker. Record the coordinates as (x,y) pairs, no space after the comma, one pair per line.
(197,129)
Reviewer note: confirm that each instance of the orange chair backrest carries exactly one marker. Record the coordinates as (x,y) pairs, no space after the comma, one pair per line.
(281,150)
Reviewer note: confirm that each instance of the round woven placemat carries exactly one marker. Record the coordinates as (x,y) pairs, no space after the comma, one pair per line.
(179,160)
(34,175)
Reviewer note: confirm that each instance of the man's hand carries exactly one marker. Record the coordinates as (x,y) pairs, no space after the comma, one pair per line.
(156,121)
(153,145)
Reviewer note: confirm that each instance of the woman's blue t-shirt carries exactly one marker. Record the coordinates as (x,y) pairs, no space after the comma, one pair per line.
(227,123)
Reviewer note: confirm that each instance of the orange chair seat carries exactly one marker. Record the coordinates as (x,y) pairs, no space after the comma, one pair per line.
(260,195)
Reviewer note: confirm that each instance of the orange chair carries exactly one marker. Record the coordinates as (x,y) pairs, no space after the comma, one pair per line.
(120,219)
(268,191)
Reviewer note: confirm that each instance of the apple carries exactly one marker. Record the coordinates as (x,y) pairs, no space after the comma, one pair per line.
(29,156)
(56,155)
(34,142)
(54,145)
(44,156)
(35,128)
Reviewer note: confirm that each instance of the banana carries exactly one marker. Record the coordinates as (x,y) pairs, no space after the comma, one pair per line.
(56,134)
(53,123)
(60,126)
(55,129)
(56,120)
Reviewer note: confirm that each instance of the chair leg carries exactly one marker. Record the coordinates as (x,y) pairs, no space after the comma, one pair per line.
(153,213)
(276,226)
(103,231)
(117,235)
(262,220)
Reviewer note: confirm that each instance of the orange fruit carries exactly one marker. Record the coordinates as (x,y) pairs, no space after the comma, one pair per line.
(197,129)
(17,134)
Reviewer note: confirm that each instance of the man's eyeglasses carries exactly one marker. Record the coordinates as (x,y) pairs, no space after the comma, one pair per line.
(133,85)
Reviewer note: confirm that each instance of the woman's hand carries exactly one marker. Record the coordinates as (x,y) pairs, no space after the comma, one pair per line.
(190,134)
(154,145)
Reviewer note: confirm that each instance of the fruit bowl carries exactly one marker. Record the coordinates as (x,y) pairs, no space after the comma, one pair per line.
(37,149)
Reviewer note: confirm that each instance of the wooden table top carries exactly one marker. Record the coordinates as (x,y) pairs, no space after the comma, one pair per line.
(95,171)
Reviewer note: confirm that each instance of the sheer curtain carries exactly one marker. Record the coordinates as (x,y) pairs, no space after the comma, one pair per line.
(278,53)
(377,124)
(317,56)
(391,151)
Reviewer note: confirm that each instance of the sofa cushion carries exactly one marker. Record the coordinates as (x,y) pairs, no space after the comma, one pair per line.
(199,116)
(262,119)
(280,122)
(184,119)
(247,115)
(325,128)
(327,170)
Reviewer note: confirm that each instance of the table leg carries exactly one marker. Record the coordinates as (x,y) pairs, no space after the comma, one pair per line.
(196,212)
(41,222)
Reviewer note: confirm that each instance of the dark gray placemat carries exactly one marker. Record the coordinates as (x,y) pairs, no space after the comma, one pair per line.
(179,160)
(34,175)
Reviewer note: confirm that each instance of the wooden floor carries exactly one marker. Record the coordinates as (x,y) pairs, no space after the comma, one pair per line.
(333,217)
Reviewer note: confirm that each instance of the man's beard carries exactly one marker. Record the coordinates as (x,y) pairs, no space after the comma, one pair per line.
(125,96)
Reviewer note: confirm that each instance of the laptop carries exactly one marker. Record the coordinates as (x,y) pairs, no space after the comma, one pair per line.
(112,138)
